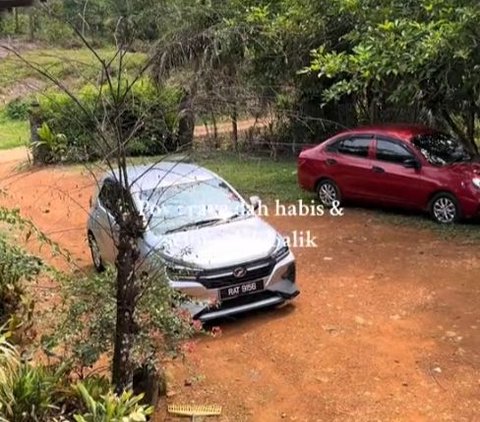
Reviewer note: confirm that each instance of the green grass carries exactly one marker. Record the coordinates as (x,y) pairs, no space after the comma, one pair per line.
(76,65)
(257,176)
(13,133)
(72,66)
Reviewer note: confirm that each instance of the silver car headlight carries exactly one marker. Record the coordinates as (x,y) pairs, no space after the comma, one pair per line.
(281,249)
(476,182)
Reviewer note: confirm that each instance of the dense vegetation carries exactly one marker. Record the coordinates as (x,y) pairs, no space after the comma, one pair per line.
(67,134)
(315,65)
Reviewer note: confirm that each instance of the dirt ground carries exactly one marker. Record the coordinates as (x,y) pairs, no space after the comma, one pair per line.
(386,326)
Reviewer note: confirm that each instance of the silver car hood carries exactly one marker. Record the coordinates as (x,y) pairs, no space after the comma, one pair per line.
(220,245)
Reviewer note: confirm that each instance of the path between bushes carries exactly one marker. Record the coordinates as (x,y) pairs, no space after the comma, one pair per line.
(386,327)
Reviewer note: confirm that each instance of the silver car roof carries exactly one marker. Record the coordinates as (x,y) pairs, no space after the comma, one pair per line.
(164,174)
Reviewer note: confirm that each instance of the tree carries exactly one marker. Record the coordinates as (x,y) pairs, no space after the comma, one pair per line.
(112,134)
(418,55)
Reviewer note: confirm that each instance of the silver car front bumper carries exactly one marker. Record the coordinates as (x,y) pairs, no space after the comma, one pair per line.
(279,287)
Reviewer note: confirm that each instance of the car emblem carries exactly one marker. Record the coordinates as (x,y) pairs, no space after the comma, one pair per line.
(239,272)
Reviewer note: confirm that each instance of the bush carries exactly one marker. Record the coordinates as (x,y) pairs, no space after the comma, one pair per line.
(17,109)
(45,393)
(160,326)
(27,393)
(110,407)
(15,266)
(155,108)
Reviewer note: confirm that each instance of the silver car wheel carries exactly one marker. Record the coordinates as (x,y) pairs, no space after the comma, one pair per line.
(445,210)
(327,193)
(96,256)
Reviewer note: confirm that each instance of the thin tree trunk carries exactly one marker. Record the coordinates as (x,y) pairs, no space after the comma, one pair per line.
(234,118)
(186,124)
(83,17)
(126,295)
(215,129)
(470,124)
(31,26)
(17,25)
(122,371)
(471,146)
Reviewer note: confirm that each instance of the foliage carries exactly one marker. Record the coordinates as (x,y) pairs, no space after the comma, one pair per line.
(16,266)
(110,407)
(86,327)
(55,144)
(17,109)
(40,393)
(75,65)
(27,393)
(150,112)
(415,54)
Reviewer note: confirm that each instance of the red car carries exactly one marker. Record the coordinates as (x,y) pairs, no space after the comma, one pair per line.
(397,165)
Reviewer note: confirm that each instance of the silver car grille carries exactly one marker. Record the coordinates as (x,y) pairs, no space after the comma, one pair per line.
(215,279)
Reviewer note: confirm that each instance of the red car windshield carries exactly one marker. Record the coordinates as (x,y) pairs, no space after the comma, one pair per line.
(441,149)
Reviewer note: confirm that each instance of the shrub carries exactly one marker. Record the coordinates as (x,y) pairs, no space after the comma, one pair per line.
(27,393)
(45,393)
(15,266)
(110,407)
(153,107)
(17,109)
(160,325)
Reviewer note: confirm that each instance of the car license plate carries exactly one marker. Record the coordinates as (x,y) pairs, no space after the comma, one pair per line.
(241,289)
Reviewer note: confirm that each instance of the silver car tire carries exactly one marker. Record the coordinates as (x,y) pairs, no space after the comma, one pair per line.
(328,192)
(95,252)
(444,208)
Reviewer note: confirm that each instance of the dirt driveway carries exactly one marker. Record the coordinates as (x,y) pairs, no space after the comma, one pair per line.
(386,327)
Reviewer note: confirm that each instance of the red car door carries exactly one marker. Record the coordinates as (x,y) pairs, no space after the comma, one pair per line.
(348,163)
(397,174)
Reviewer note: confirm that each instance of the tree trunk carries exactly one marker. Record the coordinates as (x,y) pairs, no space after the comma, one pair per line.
(234,118)
(215,129)
(126,294)
(469,144)
(186,123)
(17,26)
(31,26)
(470,125)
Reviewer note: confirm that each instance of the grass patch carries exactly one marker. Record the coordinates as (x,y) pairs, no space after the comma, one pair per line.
(13,133)
(258,176)
(78,65)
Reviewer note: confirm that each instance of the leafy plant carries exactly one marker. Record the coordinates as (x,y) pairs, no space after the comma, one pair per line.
(40,393)
(86,325)
(111,408)
(15,266)
(17,109)
(150,113)
(27,393)
(54,144)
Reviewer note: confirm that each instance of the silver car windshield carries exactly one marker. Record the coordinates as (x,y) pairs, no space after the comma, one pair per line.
(188,205)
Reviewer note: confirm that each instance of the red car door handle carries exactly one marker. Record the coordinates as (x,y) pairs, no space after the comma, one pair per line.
(378,169)
(330,161)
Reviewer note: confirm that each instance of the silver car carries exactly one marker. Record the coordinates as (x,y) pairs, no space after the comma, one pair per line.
(210,241)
